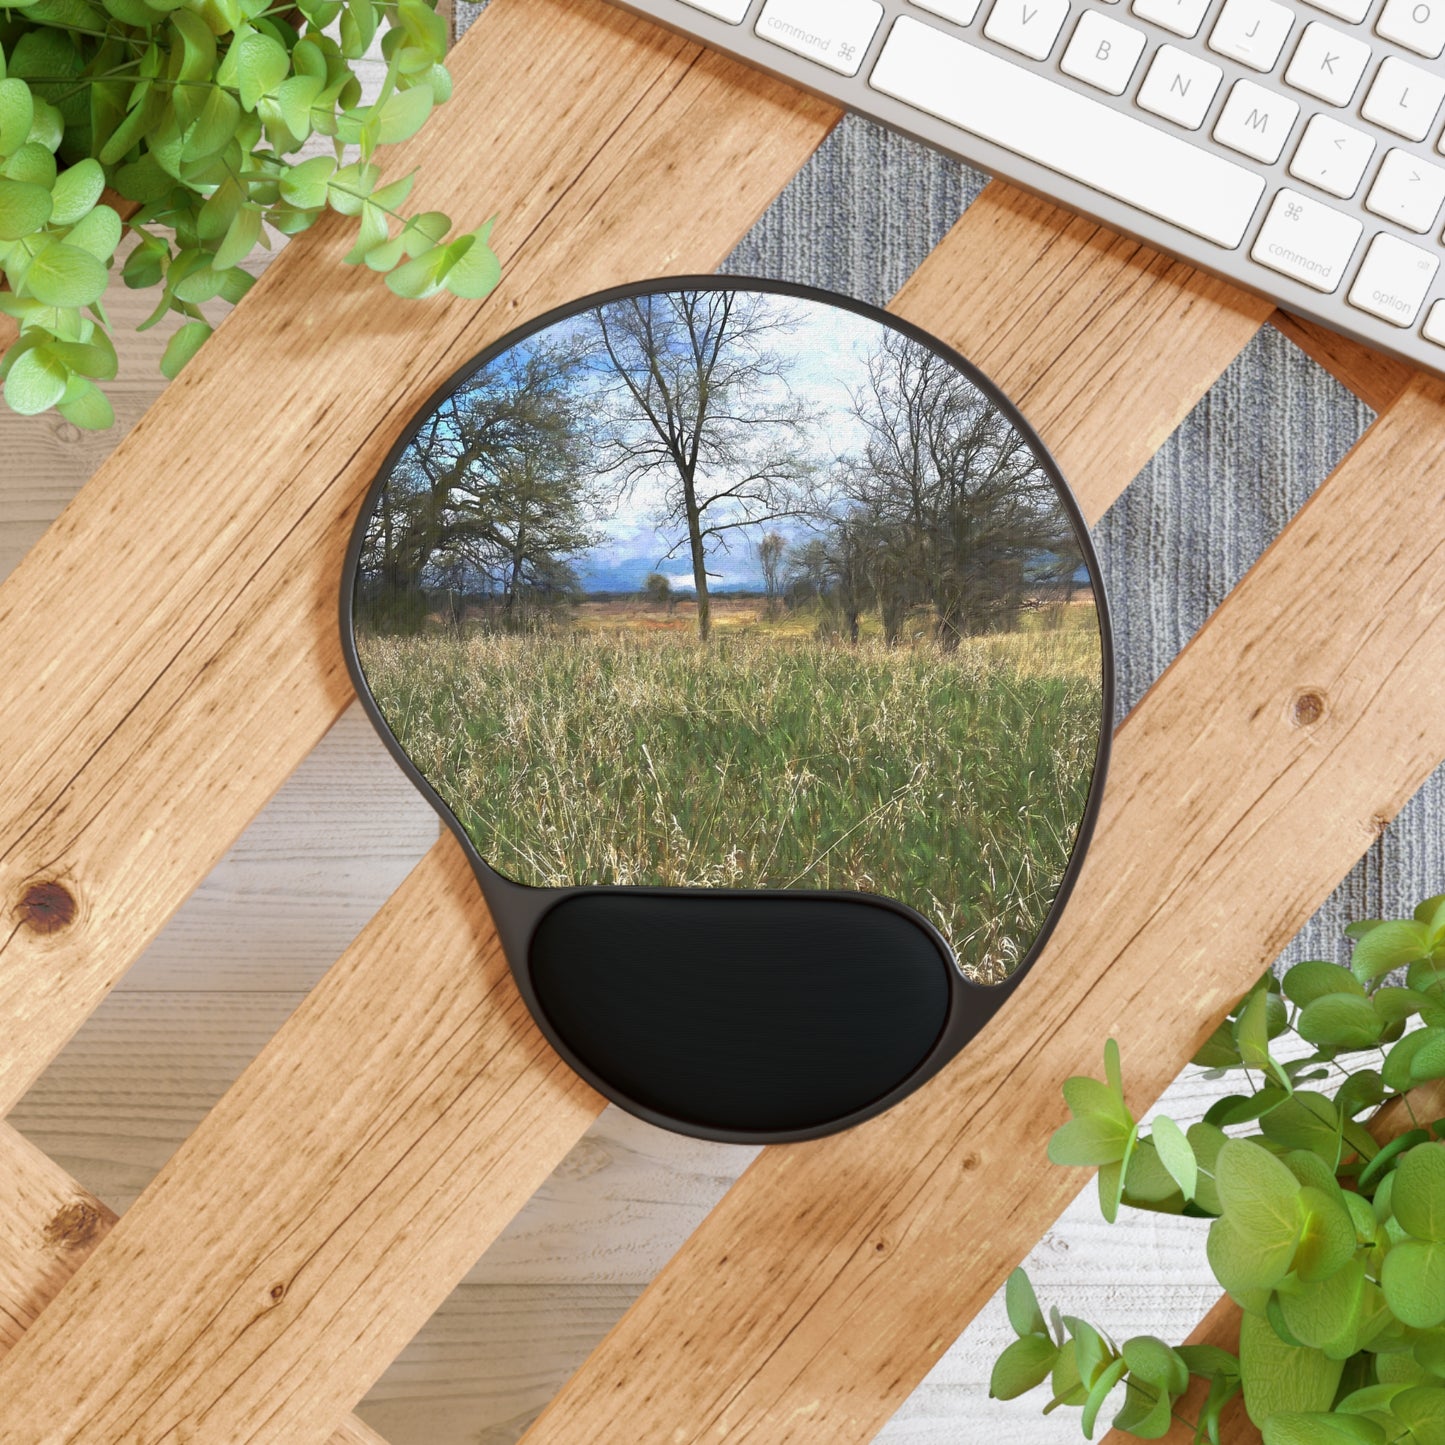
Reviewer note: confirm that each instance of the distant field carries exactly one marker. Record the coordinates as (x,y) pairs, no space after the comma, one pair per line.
(622,751)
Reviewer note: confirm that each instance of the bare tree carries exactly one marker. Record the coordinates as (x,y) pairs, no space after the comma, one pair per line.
(770,558)
(695,396)
(957,503)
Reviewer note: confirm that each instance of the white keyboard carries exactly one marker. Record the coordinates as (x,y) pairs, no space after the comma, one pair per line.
(1295,149)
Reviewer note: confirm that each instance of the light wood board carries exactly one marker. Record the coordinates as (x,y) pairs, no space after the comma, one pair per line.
(1142,301)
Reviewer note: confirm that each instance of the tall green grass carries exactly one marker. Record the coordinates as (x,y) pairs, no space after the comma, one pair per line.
(954,782)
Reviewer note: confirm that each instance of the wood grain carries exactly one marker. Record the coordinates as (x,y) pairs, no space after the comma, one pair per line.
(882,1242)
(388,1132)
(1106,301)
(49,1226)
(141,738)
(1104,344)
(1116,467)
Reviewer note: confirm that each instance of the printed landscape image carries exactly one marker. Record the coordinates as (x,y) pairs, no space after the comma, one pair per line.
(732,589)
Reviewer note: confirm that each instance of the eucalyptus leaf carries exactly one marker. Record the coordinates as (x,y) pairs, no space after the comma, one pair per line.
(1419,1193)
(1413,1278)
(65,275)
(1280,1379)
(1305,1120)
(1399,1068)
(36,381)
(1320,1429)
(1341,1021)
(76,192)
(475,269)
(17,114)
(1308,981)
(1428,1059)
(1251,1031)
(1023,1305)
(183,346)
(240,238)
(85,405)
(1388,947)
(1325,1313)
(258,64)
(24,209)
(404,114)
(1422,1411)
(1176,1154)
(1027,1362)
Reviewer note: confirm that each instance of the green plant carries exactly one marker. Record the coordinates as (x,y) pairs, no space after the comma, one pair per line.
(1332,1244)
(194,112)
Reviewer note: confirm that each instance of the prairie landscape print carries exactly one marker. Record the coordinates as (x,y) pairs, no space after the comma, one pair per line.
(737,588)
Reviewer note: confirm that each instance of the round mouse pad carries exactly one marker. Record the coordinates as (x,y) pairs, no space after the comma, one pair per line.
(709,589)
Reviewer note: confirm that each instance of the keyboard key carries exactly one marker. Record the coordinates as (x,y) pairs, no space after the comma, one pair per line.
(1255,121)
(1418,25)
(835,33)
(730,10)
(1434,328)
(1394,279)
(1103,52)
(1179,86)
(1035,117)
(1332,156)
(1181,16)
(1351,10)
(1404,98)
(1408,190)
(1328,63)
(1028,26)
(1252,32)
(1307,240)
(961,12)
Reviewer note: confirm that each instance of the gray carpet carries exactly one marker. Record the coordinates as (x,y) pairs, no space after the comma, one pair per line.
(861,216)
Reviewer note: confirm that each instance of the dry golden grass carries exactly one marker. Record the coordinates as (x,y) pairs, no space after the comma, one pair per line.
(623,752)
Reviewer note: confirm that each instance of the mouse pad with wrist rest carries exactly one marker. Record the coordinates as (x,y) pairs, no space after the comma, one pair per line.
(753,646)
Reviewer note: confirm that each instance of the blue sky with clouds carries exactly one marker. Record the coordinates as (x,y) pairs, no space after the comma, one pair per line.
(828,350)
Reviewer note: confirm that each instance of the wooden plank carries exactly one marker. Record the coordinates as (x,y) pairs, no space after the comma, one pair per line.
(49,1226)
(1104,344)
(465,1112)
(142,735)
(1378,380)
(880,1241)
(1300,711)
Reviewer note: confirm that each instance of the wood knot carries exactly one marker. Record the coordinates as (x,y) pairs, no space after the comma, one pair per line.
(969,1161)
(77,1225)
(278,1292)
(1308,709)
(47,907)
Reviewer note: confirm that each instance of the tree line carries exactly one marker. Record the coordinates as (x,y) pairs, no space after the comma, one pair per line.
(937,505)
